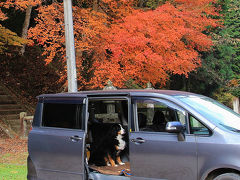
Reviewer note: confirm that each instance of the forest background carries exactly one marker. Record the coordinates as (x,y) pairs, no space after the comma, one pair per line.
(190,45)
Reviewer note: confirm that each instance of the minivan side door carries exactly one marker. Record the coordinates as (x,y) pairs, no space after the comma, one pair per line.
(56,142)
(155,153)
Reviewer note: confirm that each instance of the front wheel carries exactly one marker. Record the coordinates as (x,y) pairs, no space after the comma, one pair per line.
(227,176)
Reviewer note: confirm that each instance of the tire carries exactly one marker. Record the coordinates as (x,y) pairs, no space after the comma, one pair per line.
(31,172)
(227,176)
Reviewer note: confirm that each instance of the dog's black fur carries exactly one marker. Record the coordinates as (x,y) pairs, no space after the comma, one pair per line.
(104,143)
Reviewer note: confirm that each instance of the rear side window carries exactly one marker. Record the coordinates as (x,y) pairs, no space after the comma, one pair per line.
(62,115)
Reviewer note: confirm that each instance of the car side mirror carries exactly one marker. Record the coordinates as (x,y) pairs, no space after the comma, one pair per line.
(176,127)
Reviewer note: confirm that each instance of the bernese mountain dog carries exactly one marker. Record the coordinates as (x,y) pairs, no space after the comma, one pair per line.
(108,144)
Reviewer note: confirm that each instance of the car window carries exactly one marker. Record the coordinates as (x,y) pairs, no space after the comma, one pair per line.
(196,127)
(215,112)
(153,114)
(62,115)
(108,111)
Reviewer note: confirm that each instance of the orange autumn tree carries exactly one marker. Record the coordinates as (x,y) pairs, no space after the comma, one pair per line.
(148,46)
(2,15)
(116,41)
(90,24)
(50,34)
(20,4)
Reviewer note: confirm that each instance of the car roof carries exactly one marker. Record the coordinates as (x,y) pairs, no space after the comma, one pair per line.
(120,92)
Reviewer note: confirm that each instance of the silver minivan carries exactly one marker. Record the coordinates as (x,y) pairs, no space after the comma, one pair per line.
(170,135)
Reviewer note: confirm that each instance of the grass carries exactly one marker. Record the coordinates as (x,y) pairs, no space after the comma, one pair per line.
(13,172)
(13,159)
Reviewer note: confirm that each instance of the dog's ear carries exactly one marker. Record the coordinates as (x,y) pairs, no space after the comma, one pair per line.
(115,128)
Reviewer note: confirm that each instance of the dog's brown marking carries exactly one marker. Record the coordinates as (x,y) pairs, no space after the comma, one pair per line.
(106,160)
(119,160)
(112,162)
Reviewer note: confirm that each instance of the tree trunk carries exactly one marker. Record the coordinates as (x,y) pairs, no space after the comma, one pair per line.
(95,5)
(25,27)
(140,3)
(236,107)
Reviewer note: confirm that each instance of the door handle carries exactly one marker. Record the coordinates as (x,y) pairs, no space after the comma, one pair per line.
(138,140)
(75,138)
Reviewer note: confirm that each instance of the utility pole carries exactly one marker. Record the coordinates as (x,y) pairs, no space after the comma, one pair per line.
(70,47)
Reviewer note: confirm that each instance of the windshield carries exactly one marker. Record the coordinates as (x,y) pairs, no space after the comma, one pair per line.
(214,111)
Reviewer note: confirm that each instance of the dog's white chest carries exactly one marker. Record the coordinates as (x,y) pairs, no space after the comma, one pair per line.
(122,143)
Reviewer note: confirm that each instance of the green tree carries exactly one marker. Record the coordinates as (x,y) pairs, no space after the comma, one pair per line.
(7,37)
(221,65)
(232,24)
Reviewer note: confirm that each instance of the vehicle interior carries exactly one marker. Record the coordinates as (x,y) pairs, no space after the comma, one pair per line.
(154,119)
(104,114)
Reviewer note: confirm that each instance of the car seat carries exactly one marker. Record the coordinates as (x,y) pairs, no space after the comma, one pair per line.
(159,123)
(142,121)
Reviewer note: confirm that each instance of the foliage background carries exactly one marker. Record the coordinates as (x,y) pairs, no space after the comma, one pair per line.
(129,42)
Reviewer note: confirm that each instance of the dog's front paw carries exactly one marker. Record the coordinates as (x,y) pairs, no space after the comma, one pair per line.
(116,165)
(121,163)
(108,164)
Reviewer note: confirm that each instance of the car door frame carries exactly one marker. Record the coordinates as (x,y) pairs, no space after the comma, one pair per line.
(121,96)
(135,133)
(47,169)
